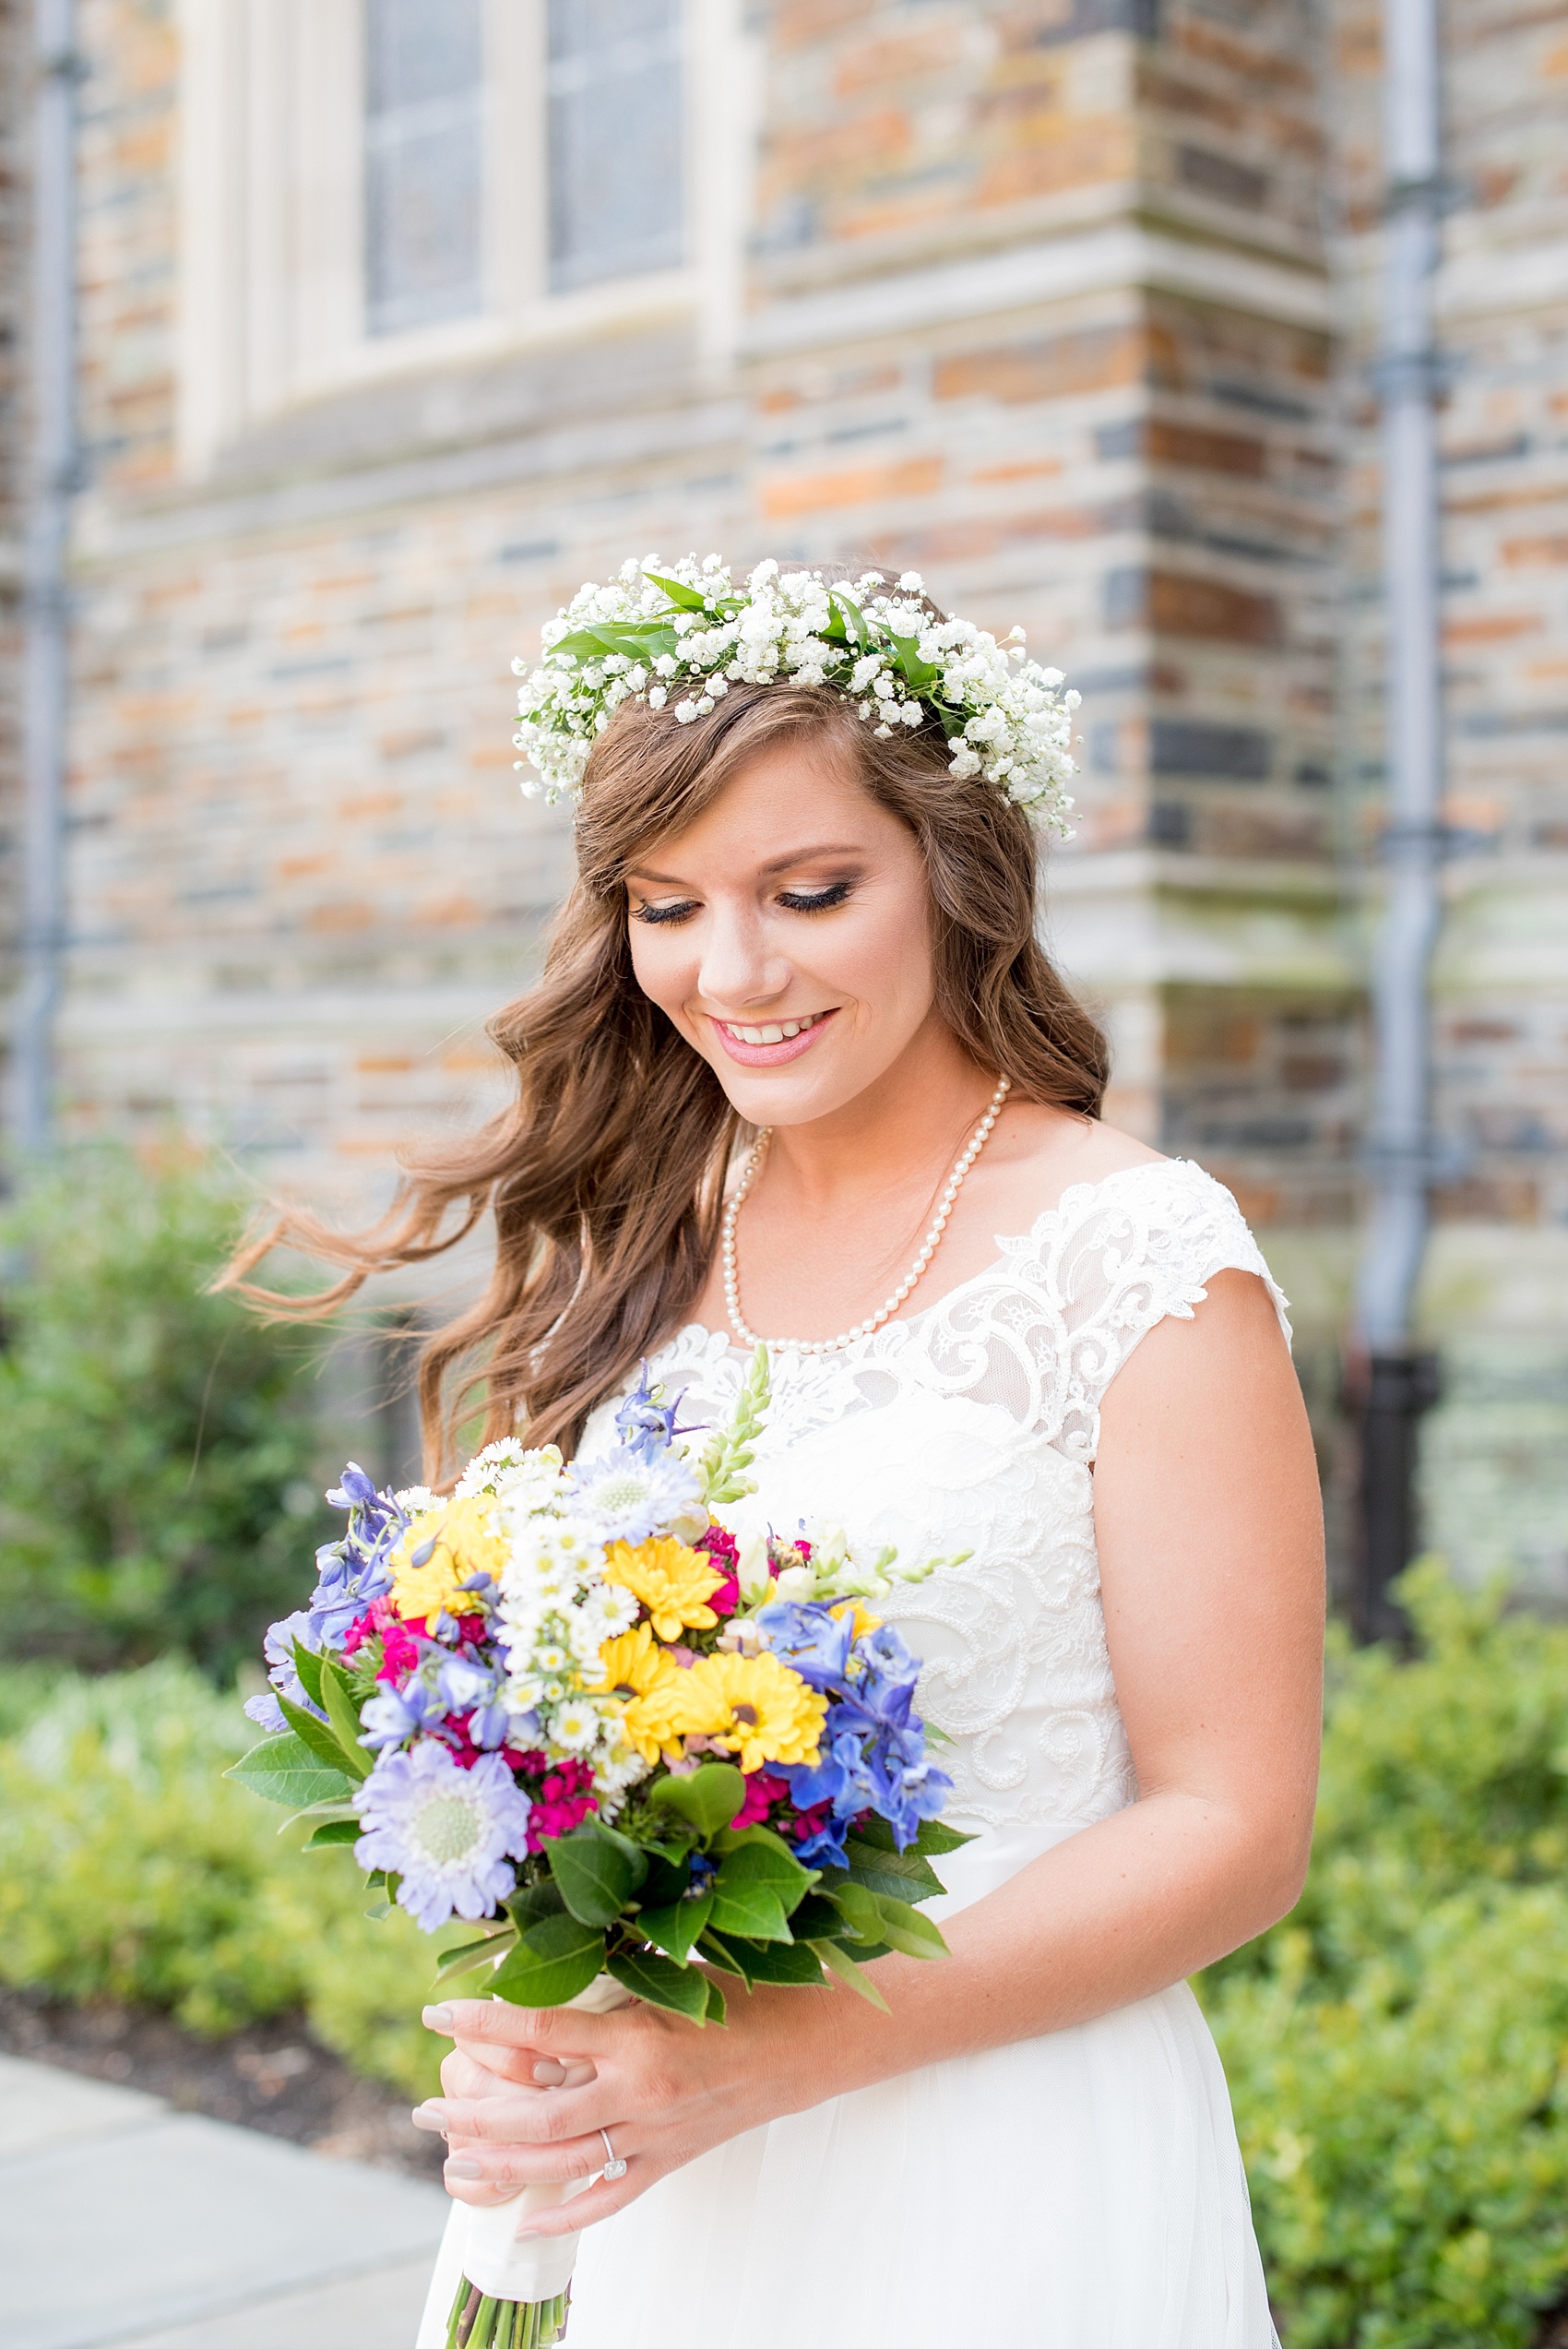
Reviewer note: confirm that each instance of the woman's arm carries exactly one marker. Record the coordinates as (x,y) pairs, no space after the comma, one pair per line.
(1211,1564)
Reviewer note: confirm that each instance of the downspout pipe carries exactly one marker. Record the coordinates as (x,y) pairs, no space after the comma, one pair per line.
(54,468)
(1397,1379)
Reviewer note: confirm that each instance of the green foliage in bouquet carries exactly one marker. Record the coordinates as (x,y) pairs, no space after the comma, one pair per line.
(1397,2049)
(155,1438)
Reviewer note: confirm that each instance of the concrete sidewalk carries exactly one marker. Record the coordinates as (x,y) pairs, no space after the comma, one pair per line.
(122,2221)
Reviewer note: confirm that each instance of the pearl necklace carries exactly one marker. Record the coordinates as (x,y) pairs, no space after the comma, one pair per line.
(929,1247)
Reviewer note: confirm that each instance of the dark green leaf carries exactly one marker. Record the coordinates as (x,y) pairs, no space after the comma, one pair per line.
(285,1770)
(530,1902)
(653,1979)
(716,2009)
(334,1830)
(552,1961)
(676,1927)
(751,1910)
(933,1839)
(759,1857)
(597,1871)
(905,1875)
(322,1740)
(859,1910)
(708,1798)
(307,1663)
(665,1882)
(344,1715)
(839,1961)
(791,1965)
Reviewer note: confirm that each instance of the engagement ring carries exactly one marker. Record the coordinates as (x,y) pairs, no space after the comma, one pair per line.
(613,2165)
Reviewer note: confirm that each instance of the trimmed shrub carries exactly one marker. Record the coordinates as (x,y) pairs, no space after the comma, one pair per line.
(163,1470)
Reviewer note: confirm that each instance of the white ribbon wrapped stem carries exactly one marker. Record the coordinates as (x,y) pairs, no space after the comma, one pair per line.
(483,2245)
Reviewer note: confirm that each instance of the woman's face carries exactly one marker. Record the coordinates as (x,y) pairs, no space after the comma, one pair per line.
(786,933)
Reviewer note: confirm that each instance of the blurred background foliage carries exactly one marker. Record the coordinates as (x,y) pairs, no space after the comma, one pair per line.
(164,1454)
(1397,2049)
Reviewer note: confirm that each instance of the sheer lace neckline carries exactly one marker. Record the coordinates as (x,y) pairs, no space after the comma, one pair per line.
(1072,1199)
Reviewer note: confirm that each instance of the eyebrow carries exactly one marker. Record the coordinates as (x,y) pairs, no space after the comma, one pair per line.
(774,864)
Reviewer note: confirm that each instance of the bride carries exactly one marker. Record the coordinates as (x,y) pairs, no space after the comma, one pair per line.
(798,1069)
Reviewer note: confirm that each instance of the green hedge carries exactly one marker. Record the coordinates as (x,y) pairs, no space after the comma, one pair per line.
(1399,2048)
(131,1870)
(163,1460)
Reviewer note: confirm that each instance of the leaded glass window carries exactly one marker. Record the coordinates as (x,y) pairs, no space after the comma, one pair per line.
(616,139)
(424,161)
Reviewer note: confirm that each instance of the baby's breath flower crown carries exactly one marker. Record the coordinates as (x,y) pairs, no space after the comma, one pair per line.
(681,637)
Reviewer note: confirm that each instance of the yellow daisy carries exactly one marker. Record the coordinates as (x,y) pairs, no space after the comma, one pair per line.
(754,1706)
(638,1673)
(673,1583)
(462,1541)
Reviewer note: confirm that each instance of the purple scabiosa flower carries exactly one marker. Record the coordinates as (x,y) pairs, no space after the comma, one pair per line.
(629,1496)
(446,1831)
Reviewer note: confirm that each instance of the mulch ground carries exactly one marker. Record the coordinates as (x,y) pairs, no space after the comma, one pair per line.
(272,2076)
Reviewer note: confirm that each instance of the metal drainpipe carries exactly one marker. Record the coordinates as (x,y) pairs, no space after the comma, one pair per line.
(1397,1380)
(53,470)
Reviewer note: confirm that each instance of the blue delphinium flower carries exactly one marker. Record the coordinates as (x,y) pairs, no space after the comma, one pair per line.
(872,1754)
(646,1426)
(450,1833)
(630,1495)
(353,1570)
(279,1649)
(393,1714)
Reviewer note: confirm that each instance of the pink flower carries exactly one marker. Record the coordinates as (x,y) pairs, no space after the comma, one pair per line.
(762,1793)
(562,1798)
(725,1551)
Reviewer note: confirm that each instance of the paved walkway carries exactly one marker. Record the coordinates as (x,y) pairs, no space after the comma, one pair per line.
(123,2221)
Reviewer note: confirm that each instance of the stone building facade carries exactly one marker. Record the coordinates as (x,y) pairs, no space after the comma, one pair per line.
(1067,303)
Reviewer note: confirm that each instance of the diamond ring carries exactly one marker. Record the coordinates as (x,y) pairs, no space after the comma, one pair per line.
(613,2165)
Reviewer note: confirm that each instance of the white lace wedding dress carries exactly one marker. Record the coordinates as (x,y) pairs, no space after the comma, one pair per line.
(1082,2191)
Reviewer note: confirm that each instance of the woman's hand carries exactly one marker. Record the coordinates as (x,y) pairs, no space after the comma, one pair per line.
(527,2091)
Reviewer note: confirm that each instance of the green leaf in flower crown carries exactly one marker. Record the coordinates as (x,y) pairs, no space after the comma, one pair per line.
(674,1929)
(307,1663)
(842,1963)
(708,1799)
(689,599)
(905,1875)
(551,1962)
(322,1740)
(853,619)
(788,1964)
(658,1982)
(334,1830)
(285,1770)
(597,1871)
(344,1715)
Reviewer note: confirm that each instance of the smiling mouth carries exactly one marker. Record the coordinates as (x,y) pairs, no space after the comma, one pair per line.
(771,1040)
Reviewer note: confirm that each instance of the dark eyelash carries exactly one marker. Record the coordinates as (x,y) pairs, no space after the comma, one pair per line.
(656,914)
(819,901)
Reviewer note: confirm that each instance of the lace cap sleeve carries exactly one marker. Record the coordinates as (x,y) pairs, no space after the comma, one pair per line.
(1129,1253)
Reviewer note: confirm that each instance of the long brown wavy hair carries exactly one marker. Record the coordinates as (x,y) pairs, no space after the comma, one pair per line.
(605,1176)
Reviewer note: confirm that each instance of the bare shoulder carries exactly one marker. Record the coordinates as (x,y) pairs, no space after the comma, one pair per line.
(1038,1152)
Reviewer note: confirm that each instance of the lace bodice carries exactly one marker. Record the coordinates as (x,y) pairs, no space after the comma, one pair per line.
(973,1426)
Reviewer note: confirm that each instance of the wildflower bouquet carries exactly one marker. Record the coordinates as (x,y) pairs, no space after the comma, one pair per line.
(568,1705)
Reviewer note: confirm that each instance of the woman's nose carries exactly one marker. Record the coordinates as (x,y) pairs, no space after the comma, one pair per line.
(737,969)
